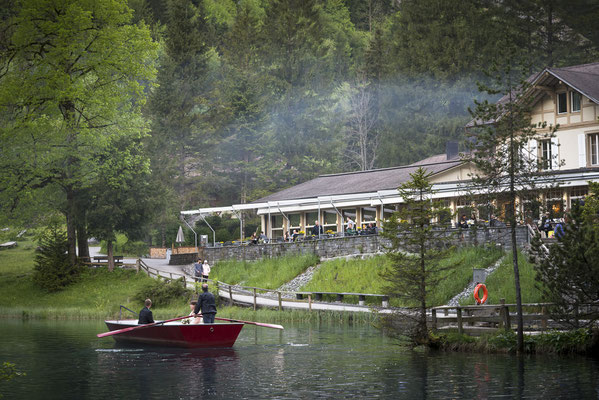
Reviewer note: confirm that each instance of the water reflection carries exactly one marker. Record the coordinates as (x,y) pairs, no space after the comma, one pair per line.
(65,360)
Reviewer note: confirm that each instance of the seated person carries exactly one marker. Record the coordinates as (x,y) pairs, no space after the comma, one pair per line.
(254,238)
(145,315)
(371,229)
(294,235)
(351,226)
(196,320)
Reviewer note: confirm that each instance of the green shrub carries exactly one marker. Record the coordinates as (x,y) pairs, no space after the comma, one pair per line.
(137,248)
(163,293)
(53,270)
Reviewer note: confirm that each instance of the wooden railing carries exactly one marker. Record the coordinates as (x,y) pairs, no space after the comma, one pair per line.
(227,290)
(487,318)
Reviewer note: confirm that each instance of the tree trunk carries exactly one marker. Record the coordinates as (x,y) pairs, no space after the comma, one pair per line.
(82,245)
(110,259)
(71,233)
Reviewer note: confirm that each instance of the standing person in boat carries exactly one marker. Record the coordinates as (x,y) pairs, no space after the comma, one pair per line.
(205,271)
(145,315)
(207,304)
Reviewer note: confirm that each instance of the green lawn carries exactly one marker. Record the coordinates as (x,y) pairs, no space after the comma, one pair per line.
(265,273)
(98,293)
(501,285)
(362,276)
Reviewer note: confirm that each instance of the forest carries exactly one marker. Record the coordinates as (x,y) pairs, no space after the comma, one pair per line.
(117,114)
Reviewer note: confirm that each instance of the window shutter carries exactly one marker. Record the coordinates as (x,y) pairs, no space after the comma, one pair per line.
(555,161)
(582,151)
(533,150)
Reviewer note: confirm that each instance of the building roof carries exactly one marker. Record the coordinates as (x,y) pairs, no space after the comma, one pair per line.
(583,78)
(362,181)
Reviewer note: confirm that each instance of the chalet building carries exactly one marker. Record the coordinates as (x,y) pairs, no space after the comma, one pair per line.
(565,96)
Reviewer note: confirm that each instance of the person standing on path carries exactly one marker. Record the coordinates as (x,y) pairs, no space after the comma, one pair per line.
(145,315)
(205,271)
(197,270)
(207,304)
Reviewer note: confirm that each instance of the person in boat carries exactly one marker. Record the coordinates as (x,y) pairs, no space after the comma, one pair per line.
(145,315)
(195,320)
(207,304)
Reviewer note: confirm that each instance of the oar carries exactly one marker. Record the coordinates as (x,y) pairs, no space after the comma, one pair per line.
(139,327)
(274,326)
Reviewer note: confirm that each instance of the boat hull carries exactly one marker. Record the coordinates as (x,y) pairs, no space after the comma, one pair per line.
(175,334)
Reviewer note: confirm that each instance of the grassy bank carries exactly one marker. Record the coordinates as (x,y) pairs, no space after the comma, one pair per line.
(581,341)
(362,276)
(266,273)
(98,293)
(501,285)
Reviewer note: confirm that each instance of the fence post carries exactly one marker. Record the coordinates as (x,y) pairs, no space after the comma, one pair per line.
(507,324)
(459,315)
(137,262)
(230,295)
(544,318)
(309,302)
(280,301)
(254,299)
(434,319)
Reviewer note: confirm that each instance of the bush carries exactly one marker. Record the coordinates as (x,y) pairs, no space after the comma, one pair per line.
(137,248)
(163,293)
(53,270)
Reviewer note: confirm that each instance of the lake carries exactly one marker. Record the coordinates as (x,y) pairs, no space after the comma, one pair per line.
(65,360)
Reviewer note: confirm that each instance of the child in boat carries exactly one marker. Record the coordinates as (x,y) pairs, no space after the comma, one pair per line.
(196,320)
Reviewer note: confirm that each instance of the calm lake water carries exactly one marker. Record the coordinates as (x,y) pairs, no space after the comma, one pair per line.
(65,360)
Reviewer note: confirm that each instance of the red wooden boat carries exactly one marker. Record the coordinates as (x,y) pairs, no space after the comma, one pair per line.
(177,334)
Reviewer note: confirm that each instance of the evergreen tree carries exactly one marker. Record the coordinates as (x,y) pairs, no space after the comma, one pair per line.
(569,273)
(498,148)
(415,251)
(53,270)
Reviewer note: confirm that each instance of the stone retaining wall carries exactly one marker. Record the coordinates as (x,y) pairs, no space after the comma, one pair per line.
(342,246)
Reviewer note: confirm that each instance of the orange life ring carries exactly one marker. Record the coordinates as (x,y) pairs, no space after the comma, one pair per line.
(485,293)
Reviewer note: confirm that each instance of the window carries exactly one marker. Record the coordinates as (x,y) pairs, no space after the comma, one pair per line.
(562,103)
(368,215)
(310,218)
(594,148)
(545,155)
(575,101)
(294,221)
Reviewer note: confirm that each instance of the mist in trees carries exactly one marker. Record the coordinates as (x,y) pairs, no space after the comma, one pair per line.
(251,96)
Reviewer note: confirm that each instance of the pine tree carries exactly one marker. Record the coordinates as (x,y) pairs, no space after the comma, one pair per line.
(569,273)
(53,270)
(415,252)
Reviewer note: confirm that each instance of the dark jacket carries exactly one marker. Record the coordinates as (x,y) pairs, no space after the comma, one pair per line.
(206,304)
(317,229)
(145,316)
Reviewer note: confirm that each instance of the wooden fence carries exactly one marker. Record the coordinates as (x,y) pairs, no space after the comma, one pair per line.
(228,291)
(476,320)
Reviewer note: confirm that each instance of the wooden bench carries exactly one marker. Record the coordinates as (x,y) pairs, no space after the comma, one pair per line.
(8,245)
(102,259)
(361,297)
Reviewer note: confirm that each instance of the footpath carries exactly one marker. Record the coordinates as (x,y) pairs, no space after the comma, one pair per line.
(162,268)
